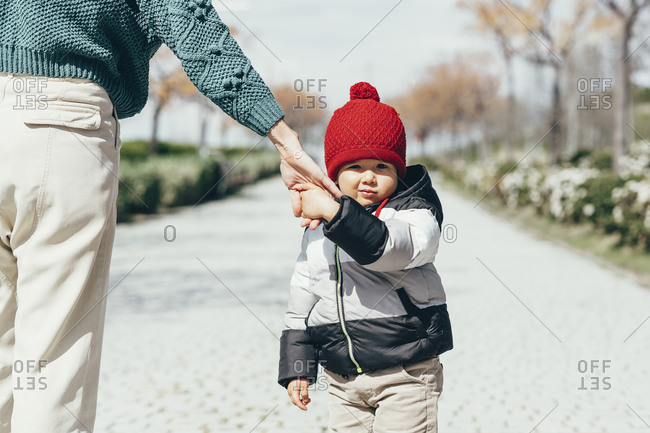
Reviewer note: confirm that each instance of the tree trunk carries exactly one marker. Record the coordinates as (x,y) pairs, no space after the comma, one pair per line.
(629,134)
(453,136)
(420,137)
(153,143)
(202,134)
(554,149)
(620,123)
(483,147)
(510,121)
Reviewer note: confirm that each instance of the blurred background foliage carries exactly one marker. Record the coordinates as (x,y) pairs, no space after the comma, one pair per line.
(179,176)
(575,149)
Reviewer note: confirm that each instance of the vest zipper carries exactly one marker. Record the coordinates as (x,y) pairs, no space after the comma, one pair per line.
(339,307)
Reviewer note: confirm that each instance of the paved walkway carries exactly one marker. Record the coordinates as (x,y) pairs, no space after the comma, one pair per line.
(546,340)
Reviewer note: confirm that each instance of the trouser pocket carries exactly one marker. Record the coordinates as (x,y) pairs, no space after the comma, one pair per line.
(78,153)
(72,114)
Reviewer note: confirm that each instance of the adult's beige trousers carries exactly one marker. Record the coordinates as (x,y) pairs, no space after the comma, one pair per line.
(59,159)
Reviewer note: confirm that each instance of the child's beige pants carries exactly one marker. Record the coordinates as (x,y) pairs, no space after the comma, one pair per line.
(59,158)
(402,399)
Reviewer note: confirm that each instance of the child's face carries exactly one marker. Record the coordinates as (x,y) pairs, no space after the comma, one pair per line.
(367,180)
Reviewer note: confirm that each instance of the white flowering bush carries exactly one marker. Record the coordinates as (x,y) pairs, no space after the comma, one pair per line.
(521,187)
(562,188)
(631,214)
(636,163)
(583,189)
(473,176)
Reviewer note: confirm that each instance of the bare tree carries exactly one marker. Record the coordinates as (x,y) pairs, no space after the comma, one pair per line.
(490,18)
(167,80)
(627,13)
(452,97)
(555,38)
(208,109)
(421,109)
(305,112)
(589,89)
(536,33)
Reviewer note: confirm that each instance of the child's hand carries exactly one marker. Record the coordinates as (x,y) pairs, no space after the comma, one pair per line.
(316,202)
(298,393)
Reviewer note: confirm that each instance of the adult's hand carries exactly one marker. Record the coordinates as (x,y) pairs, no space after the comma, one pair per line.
(297,167)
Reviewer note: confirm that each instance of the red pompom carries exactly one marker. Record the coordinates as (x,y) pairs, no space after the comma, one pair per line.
(363,90)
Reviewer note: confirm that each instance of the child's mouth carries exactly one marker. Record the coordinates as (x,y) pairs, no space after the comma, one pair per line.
(367,193)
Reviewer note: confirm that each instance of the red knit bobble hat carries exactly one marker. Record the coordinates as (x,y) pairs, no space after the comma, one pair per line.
(364,128)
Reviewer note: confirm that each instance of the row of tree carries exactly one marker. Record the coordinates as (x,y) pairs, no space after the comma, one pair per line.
(569,41)
(470,101)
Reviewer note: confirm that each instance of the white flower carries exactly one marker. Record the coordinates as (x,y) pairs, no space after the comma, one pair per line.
(642,190)
(588,209)
(637,160)
(561,187)
(617,213)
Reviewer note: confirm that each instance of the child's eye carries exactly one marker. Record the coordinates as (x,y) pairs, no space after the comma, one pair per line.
(355,166)
(382,166)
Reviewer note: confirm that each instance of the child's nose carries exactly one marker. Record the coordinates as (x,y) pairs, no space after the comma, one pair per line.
(368,176)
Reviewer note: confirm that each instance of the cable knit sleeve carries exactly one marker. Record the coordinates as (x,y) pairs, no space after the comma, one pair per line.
(213,60)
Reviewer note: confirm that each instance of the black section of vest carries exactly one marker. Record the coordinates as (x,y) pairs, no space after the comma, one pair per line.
(415,192)
(384,342)
(361,234)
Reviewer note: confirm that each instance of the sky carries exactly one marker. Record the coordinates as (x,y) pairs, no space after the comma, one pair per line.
(337,43)
(332,45)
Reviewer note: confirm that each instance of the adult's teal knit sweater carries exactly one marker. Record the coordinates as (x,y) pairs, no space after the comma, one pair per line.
(111,42)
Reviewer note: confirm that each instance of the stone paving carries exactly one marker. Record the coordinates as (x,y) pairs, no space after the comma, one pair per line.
(546,340)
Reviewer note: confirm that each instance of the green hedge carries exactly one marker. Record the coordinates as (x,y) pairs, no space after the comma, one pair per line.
(150,184)
(138,150)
